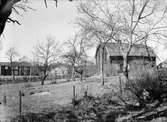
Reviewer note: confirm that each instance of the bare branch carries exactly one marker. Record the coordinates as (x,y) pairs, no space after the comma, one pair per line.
(13,21)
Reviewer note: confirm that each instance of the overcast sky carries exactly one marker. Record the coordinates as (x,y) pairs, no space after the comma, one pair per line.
(37,25)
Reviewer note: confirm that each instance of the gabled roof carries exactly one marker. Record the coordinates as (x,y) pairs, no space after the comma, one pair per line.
(137,50)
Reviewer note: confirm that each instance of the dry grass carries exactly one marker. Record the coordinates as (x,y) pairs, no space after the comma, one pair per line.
(37,98)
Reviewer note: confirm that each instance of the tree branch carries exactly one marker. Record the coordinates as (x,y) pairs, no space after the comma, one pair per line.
(13,21)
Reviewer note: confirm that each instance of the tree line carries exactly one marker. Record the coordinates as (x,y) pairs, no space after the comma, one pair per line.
(129,21)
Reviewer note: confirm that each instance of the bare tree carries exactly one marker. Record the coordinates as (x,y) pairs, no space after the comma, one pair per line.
(96,27)
(126,22)
(76,56)
(46,54)
(11,55)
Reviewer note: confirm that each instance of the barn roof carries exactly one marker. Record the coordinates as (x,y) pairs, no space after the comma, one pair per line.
(137,50)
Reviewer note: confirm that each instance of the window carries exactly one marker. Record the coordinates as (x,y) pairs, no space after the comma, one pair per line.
(26,70)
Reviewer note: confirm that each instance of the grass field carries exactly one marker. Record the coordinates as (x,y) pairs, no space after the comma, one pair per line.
(37,98)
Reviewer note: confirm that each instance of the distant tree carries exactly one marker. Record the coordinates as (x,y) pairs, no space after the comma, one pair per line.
(23,59)
(129,21)
(76,56)
(11,55)
(46,54)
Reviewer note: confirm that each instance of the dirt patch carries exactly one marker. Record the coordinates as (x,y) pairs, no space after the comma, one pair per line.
(41,94)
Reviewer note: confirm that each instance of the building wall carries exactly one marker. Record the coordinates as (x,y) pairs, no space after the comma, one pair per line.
(113,65)
(35,70)
(5,70)
(135,64)
(18,70)
(138,64)
(99,61)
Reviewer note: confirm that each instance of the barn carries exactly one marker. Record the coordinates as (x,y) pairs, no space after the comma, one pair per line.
(140,57)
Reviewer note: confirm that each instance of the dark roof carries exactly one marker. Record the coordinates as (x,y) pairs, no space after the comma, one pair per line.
(16,63)
(137,50)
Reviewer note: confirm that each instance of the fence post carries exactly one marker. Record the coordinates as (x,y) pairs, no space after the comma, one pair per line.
(120,84)
(4,99)
(73,96)
(74,92)
(20,102)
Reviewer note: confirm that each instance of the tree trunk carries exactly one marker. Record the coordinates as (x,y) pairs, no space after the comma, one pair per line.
(73,73)
(125,67)
(3,19)
(102,65)
(5,11)
(44,77)
(81,77)
(12,70)
(13,75)
(85,71)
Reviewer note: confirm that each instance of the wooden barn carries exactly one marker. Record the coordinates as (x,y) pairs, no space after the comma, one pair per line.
(140,57)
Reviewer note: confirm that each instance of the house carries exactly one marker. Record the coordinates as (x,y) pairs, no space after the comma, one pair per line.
(19,68)
(140,57)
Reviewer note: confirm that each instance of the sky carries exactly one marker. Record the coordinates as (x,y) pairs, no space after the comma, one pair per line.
(36,25)
(57,22)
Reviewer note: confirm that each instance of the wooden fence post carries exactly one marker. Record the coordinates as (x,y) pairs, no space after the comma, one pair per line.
(120,84)
(20,102)
(73,96)
(4,99)
(73,92)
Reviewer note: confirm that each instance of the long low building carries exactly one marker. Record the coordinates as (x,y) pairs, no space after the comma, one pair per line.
(19,68)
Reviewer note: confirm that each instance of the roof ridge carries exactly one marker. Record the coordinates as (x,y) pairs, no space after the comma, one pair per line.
(137,49)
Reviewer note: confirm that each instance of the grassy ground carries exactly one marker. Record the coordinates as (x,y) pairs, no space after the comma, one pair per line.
(37,98)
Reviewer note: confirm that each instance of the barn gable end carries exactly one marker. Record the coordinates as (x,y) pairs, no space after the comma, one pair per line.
(139,57)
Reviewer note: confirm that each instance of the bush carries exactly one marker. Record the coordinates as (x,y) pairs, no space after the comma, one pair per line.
(146,87)
(25,79)
(19,79)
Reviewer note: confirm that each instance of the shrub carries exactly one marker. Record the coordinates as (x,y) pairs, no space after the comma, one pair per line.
(25,79)
(145,86)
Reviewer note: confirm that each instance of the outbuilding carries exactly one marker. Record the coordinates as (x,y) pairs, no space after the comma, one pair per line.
(140,57)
